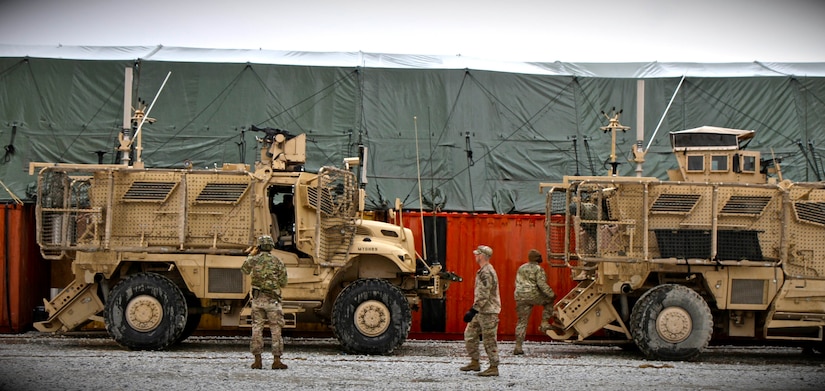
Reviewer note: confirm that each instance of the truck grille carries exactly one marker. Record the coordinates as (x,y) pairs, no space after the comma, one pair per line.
(225,280)
(745,291)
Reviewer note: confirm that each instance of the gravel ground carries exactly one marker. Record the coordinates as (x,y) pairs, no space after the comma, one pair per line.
(36,361)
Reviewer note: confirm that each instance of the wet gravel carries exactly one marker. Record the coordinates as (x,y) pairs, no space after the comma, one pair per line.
(37,361)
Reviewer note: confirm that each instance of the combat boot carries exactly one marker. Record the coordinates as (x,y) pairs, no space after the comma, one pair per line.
(553,325)
(544,326)
(518,350)
(472,366)
(257,363)
(277,364)
(492,371)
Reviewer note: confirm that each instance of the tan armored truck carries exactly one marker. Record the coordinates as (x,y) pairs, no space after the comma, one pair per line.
(153,250)
(721,251)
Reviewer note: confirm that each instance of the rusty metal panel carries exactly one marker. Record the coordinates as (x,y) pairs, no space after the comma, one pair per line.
(511,237)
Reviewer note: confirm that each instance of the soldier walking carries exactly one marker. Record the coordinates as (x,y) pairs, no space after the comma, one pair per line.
(482,318)
(268,277)
(531,290)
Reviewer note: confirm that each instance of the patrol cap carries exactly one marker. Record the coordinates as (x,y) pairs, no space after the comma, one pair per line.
(486,250)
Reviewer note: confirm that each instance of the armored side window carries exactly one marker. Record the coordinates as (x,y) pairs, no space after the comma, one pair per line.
(141,191)
(719,163)
(812,212)
(748,163)
(675,203)
(222,193)
(745,205)
(696,163)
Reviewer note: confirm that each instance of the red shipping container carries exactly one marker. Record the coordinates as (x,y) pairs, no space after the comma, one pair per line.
(511,237)
(24,275)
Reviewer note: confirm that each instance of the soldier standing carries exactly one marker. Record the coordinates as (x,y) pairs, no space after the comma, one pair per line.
(482,318)
(268,277)
(531,290)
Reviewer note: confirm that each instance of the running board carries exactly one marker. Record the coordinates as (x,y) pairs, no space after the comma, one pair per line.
(795,326)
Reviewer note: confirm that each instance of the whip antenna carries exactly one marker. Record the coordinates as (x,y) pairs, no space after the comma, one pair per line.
(662,119)
(145,116)
(420,197)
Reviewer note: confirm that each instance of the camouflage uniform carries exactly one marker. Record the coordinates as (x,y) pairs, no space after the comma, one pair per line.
(487,302)
(268,277)
(531,290)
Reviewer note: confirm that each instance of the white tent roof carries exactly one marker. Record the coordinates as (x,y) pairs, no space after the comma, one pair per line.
(739,133)
(409,61)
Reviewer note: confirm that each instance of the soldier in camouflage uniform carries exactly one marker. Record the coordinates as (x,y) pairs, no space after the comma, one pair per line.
(531,290)
(482,318)
(268,277)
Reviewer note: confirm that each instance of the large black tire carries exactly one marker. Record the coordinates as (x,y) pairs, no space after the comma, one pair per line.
(146,311)
(194,318)
(371,317)
(671,322)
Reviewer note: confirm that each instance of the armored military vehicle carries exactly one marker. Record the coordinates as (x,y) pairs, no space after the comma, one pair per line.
(153,250)
(725,249)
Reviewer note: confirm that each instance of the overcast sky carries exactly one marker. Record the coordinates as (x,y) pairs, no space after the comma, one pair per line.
(506,30)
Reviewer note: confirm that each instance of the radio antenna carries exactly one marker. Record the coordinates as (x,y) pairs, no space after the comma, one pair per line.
(143,119)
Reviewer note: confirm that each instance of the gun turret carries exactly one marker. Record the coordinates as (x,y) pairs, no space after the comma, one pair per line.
(281,150)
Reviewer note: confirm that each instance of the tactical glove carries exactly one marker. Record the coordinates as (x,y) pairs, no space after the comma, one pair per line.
(468,317)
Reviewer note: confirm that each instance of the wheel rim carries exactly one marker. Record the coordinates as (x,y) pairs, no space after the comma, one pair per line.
(674,324)
(144,313)
(372,318)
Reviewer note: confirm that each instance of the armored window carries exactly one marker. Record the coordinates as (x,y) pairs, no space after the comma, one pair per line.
(223,193)
(149,191)
(810,211)
(694,140)
(675,203)
(748,163)
(719,163)
(696,163)
(745,205)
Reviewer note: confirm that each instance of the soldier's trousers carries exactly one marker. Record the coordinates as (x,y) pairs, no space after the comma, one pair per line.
(486,327)
(524,308)
(265,307)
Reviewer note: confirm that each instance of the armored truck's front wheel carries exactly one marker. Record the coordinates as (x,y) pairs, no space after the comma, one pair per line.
(671,322)
(371,317)
(146,311)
